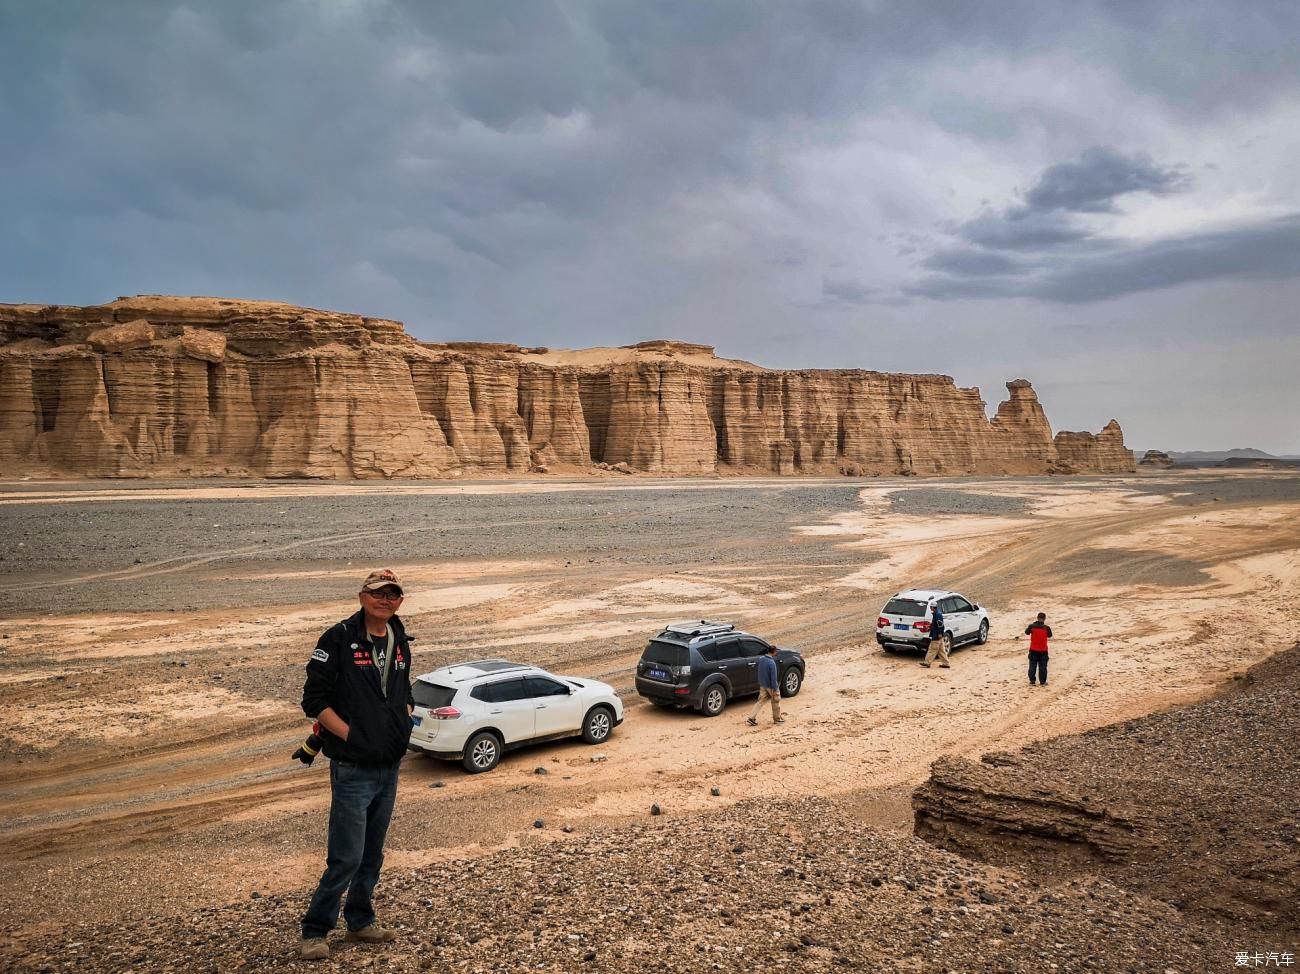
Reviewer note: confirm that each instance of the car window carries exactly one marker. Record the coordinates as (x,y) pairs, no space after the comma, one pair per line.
(540,686)
(961,605)
(751,647)
(728,648)
(502,691)
(905,607)
(432,695)
(709,652)
(950,605)
(666,654)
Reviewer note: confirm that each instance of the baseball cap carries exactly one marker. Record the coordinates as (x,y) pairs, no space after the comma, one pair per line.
(382,578)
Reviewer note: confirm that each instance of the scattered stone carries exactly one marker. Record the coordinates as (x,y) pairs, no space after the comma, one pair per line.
(538,824)
(656,810)
(715,792)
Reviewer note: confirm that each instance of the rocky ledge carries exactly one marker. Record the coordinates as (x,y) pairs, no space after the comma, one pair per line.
(156,386)
(1195,806)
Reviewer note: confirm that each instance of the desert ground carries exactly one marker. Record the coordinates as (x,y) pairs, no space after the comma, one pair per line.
(153,638)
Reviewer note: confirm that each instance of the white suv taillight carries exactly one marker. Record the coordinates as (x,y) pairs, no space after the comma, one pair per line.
(445,713)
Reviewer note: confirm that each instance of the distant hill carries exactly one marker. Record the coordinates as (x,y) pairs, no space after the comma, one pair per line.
(1238,456)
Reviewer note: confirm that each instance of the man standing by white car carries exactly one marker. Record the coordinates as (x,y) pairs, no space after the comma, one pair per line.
(938,645)
(359,689)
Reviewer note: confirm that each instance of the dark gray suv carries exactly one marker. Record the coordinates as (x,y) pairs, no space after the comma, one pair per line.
(704,664)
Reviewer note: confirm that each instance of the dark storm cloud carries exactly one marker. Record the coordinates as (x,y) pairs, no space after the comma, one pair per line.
(1268,250)
(1021,228)
(1092,184)
(464,163)
(1041,249)
(1265,250)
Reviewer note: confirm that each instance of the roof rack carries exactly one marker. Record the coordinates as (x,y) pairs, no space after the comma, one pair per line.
(486,667)
(704,627)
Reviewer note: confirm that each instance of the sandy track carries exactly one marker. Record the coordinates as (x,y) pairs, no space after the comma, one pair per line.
(115,801)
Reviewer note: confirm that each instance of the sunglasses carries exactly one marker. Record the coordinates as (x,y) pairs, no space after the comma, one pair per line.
(385,595)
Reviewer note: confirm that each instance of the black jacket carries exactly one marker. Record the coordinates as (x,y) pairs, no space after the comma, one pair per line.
(341,675)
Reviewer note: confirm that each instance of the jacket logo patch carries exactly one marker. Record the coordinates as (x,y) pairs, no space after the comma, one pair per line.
(320,656)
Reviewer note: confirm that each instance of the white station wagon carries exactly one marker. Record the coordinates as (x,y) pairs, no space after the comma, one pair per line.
(475,712)
(904,622)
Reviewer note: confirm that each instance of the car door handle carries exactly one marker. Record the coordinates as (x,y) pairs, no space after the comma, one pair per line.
(494,711)
(723,666)
(753,664)
(541,706)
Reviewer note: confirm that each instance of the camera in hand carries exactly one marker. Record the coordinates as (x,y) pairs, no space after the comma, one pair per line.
(309,748)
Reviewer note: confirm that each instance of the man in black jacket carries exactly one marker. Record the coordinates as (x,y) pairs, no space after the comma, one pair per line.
(359,689)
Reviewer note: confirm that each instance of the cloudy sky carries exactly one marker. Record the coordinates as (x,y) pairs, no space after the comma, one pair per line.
(1103,197)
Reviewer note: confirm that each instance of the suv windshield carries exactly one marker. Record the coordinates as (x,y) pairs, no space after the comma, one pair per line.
(431,695)
(667,654)
(905,607)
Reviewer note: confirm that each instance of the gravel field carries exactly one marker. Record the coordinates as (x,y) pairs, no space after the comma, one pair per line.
(156,539)
(934,501)
(784,885)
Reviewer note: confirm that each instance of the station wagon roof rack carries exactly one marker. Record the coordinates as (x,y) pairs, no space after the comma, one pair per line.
(703,627)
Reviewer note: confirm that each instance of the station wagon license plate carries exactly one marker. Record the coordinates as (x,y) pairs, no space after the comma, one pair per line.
(416,721)
(657,674)
(902,625)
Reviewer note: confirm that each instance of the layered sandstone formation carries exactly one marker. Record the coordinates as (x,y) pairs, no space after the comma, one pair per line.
(151,386)
(975,808)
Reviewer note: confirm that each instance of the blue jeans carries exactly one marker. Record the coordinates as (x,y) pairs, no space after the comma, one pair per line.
(1038,661)
(360,809)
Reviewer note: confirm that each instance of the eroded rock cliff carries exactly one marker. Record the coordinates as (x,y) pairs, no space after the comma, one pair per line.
(152,386)
(1182,805)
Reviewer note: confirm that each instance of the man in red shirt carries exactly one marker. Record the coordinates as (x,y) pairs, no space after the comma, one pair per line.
(1038,632)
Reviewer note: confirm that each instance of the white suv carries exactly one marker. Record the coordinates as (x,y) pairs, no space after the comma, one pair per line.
(474,712)
(904,622)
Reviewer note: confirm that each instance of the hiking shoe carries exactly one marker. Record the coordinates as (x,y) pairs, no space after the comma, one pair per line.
(926,665)
(373,934)
(945,666)
(751,721)
(313,948)
(778,720)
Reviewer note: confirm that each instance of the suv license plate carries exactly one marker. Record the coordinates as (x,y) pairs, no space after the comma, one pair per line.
(416,720)
(657,674)
(902,625)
